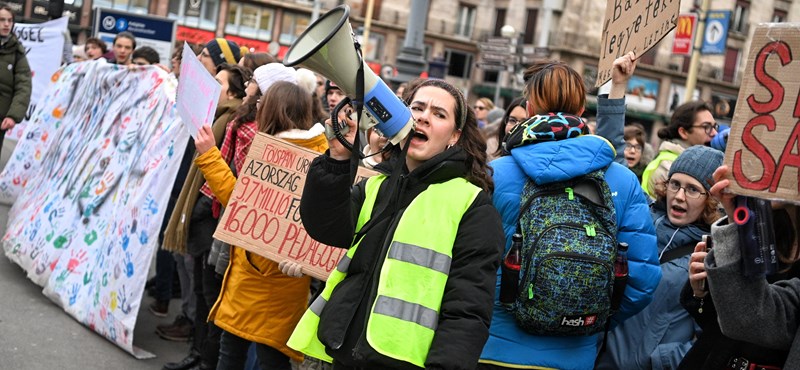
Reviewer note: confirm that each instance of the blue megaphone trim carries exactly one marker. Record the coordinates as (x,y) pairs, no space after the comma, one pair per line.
(388,110)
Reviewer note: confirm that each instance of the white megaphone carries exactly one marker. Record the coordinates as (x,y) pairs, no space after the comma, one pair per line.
(327,47)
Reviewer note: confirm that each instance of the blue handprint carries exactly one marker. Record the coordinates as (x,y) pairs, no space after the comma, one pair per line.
(73,293)
(125,241)
(128,264)
(143,238)
(151,204)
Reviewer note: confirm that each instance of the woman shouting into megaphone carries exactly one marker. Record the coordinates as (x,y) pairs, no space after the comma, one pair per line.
(416,287)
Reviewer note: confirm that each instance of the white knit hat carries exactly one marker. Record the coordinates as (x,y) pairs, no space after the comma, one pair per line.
(307,79)
(271,73)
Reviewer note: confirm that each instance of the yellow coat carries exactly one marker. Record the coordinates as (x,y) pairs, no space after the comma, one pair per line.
(262,307)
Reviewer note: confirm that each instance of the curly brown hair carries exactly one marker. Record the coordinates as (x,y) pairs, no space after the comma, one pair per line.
(471,139)
(710,213)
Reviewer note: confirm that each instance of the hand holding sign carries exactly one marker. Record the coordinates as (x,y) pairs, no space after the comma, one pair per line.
(204,140)
(623,70)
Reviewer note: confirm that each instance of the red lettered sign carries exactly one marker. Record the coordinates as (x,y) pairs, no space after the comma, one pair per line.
(263,213)
(763,149)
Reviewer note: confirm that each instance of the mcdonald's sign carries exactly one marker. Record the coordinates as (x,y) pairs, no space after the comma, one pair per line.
(684,34)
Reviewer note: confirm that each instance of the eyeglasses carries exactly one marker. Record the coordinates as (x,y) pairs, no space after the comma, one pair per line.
(514,121)
(636,148)
(709,127)
(690,190)
(478,107)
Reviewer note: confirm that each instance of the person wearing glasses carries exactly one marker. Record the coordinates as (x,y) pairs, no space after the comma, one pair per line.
(516,113)
(482,108)
(690,124)
(636,157)
(659,336)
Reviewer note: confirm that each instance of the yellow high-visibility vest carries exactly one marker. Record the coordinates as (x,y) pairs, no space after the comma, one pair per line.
(664,155)
(405,313)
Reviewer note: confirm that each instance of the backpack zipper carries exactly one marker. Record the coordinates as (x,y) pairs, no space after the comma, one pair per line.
(535,244)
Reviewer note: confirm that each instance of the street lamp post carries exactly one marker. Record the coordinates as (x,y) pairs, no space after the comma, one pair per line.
(508,32)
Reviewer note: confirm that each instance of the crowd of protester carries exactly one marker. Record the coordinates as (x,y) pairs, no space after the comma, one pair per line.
(420,284)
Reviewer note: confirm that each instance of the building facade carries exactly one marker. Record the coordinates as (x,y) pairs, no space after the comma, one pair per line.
(456,30)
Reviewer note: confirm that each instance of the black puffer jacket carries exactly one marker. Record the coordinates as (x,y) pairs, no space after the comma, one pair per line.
(466,310)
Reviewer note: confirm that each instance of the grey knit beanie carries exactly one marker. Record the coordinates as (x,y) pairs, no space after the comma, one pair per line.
(699,162)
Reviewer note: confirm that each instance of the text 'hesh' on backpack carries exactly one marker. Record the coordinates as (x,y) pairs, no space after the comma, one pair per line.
(569,246)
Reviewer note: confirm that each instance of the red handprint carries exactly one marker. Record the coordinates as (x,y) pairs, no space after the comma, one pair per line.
(75,260)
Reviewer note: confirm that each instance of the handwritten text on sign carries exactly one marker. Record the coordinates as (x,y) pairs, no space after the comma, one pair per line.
(263,214)
(633,25)
(763,149)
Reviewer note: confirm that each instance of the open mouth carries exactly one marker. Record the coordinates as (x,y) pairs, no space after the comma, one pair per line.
(678,210)
(630,159)
(420,136)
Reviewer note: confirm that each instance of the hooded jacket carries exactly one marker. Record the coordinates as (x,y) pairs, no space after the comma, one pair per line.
(329,217)
(660,165)
(257,301)
(660,335)
(547,162)
(15,80)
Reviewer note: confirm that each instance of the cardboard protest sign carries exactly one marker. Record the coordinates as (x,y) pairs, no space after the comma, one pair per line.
(263,213)
(763,150)
(633,25)
(88,179)
(43,43)
(198,93)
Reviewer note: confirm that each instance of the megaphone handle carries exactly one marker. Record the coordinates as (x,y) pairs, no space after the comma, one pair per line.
(337,127)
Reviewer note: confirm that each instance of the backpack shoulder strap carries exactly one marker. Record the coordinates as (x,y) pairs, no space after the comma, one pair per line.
(676,253)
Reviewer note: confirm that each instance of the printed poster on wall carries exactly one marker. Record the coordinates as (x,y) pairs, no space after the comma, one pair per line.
(91,172)
(40,40)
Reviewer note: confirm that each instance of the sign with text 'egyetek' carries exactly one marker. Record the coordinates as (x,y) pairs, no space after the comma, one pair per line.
(633,25)
(263,213)
(763,145)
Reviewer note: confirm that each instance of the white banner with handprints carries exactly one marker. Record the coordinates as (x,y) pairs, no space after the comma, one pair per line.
(96,165)
(43,44)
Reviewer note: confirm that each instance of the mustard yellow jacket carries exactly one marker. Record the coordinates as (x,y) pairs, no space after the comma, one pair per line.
(257,301)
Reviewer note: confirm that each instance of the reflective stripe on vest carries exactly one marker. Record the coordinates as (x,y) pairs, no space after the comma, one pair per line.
(304,337)
(664,155)
(411,285)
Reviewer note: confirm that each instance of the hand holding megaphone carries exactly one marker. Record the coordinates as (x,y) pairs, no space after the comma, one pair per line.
(328,47)
(348,128)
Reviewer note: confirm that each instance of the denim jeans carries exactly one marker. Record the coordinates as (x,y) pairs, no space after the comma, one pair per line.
(233,354)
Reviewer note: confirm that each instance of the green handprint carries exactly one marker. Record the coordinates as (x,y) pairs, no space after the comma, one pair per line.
(60,241)
(90,238)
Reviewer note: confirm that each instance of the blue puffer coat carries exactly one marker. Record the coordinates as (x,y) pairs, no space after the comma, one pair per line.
(547,162)
(660,335)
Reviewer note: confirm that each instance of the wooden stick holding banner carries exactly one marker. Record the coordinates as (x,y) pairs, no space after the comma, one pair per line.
(763,150)
(263,213)
(198,93)
(633,25)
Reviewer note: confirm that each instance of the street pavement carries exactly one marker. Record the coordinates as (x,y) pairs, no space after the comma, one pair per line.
(36,334)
